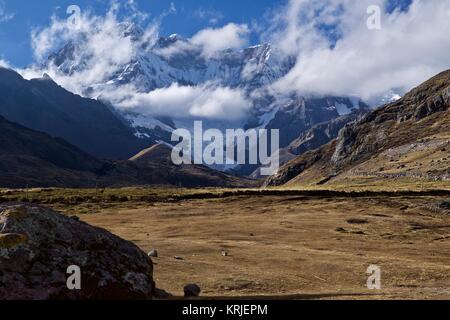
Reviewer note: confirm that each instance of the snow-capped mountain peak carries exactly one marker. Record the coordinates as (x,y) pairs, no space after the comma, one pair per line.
(163,62)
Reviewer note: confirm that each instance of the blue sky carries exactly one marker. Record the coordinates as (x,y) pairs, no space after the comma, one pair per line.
(191,16)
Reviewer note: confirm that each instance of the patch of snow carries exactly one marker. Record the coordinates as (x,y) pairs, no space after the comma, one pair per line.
(148,122)
(342,109)
(265,119)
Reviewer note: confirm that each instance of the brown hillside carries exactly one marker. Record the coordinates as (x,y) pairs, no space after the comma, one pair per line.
(407,139)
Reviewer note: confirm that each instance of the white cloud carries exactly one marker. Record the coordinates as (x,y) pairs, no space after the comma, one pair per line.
(135,13)
(411,46)
(210,41)
(99,36)
(173,8)
(213,40)
(4,64)
(203,101)
(4,15)
(180,46)
(103,46)
(212,16)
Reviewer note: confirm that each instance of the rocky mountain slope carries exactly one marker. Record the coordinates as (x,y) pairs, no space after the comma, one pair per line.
(314,138)
(302,114)
(42,105)
(409,138)
(322,133)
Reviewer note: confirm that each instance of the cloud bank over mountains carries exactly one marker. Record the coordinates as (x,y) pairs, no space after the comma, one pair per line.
(202,101)
(103,45)
(337,54)
(211,41)
(334,51)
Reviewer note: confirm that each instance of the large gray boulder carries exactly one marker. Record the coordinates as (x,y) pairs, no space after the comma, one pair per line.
(38,245)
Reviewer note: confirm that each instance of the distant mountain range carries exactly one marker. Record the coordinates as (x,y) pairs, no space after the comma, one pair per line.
(176,60)
(409,138)
(52,137)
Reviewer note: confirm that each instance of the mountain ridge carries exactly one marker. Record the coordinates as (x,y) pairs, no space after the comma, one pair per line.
(43,105)
(32,159)
(170,60)
(409,138)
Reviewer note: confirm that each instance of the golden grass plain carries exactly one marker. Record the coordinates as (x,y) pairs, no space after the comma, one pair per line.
(282,244)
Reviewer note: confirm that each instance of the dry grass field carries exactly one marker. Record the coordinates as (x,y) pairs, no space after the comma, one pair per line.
(278,244)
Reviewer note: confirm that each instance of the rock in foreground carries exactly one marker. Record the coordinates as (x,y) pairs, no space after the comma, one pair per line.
(192,290)
(38,245)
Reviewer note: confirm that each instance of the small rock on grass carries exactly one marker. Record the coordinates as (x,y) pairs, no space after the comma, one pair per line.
(153,253)
(192,290)
(357,221)
(161,294)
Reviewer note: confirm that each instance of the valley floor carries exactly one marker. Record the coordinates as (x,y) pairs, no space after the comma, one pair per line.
(279,244)
(293,246)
